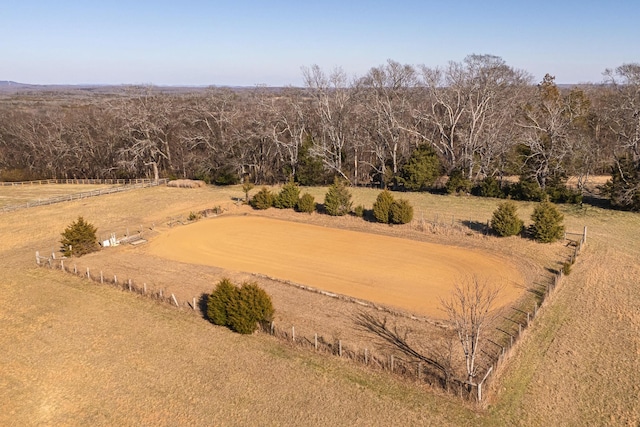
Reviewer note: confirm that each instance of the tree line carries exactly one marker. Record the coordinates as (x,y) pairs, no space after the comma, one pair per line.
(474,119)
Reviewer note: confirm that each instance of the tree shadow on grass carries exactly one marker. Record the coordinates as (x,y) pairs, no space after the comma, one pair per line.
(477,226)
(202,305)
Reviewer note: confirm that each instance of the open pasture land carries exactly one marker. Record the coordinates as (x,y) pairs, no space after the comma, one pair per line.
(74,353)
(401,273)
(18,195)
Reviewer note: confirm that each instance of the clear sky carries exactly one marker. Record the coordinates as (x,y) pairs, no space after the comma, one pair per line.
(244,43)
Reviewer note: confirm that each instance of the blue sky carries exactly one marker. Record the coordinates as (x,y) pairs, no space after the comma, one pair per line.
(245,43)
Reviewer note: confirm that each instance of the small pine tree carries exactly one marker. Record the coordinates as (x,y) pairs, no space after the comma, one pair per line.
(401,212)
(547,224)
(306,203)
(458,183)
(337,201)
(505,221)
(219,302)
(246,187)
(359,211)
(421,170)
(79,238)
(252,305)
(263,199)
(382,206)
(288,196)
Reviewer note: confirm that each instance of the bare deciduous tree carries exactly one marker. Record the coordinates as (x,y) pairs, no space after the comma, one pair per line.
(469,311)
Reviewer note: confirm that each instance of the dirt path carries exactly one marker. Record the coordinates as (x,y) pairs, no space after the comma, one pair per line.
(392,271)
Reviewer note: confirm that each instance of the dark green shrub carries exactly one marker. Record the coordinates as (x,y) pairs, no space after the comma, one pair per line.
(218,303)
(505,221)
(252,305)
(560,193)
(547,223)
(288,196)
(488,187)
(623,189)
(527,190)
(263,199)
(79,238)
(401,212)
(306,203)
(382,206)
(337,201)
(359,211)
(458,183)
(421,170)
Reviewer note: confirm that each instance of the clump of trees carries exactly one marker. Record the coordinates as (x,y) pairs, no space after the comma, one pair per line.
(79,238)
(547,223)
(390,211)
(241,309)
(505,220)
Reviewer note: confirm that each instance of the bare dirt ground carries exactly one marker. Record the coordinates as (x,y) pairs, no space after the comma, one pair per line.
(401,273)
(74,353)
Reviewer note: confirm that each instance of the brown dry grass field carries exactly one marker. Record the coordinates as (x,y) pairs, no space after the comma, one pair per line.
(30,193)
(76,353)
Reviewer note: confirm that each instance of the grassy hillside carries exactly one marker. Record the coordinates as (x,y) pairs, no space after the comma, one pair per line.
(74,353)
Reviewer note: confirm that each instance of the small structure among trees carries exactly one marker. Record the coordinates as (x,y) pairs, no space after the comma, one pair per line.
(79,238)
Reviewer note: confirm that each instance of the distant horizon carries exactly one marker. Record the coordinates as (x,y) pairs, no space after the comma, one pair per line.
(248,43)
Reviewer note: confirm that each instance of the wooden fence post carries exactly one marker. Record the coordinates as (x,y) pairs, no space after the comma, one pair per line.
(101,277)
(75,269)
(293,333)
(37,257)
(115,279)
(129,285)
(340,348)
(584,235)
(315,341)
(272,328)
(175,300)
(194,303)
(62,264)
(144,288)
(392,363)
(88,274)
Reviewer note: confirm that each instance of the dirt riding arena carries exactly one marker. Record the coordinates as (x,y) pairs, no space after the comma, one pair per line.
(401,273)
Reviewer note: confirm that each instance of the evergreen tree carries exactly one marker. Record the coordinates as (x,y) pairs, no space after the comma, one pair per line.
(263,199)
(288,196)
(219,302)
(79,238)
(401,212)
(337,201)
(306,203)
(382,206)
(547,224)
(252,306)
(421,170)
(505,221)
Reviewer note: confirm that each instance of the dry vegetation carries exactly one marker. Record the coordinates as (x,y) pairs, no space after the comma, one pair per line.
(79,354)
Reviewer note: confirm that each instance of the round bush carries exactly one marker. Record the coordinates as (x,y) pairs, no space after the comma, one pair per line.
(401,212)
(306,203)
(505,221)
(489,187)
(547,224)
(219,302)
(79,238)
(359,211)
(382,206)
(252,305)
(263,199)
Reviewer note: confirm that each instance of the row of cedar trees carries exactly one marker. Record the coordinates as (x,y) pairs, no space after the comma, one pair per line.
(394,127)
(337,202)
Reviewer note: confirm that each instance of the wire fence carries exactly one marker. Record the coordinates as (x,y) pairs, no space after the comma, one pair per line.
(83,195)
(498,348)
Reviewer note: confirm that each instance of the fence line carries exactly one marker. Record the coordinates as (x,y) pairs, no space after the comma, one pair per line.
(84,195)
(524,317)
(409,367)
(78,182)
